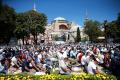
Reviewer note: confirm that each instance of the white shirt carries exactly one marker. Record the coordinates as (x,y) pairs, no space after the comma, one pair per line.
(112,53)
(62,65)
(1,50)
(71,53)
(1,67)
(101,58)
(60,56)
(40,56)
(87,59)
(14,60)
(83,60)
(65,54)
(98,51)
(1,57)
(90,67)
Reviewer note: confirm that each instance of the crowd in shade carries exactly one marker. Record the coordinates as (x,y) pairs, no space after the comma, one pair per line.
(65,58)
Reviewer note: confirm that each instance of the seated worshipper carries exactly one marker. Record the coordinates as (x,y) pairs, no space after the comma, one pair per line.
(31,53)
(71,53)
(94,49)
(37,59)
(65,52)
(63,65)
(33,66)
(1,66)
(60,54)
(1,55)
(19,60)
(25,65)
(6,64)
(48,64)
(107,60)
(14,61)
(92,65)
(79,56)
(84,62)
(15,67)
(38,63)
(100,59)
(41,56)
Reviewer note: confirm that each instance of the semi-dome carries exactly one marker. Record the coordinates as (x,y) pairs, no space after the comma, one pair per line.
(75,26)
(59,18)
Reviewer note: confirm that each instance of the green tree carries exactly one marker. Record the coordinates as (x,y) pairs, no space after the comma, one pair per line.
(30,22)
(7,23)
(113,29)
(1,6)
(92,29)
(37,22)
(21,30)
(118,26)
(78,37)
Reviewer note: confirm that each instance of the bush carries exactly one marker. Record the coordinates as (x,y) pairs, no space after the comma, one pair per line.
(82,76)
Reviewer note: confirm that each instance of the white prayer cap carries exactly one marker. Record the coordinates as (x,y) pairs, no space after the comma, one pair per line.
(26,51)
(87,51)
(105,50)
(1,50)
(36,53)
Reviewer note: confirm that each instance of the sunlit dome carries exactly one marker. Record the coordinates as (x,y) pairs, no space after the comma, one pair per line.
(59,18)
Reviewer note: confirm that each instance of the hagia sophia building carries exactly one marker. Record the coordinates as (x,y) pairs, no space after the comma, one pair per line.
(62,30)
(59,29)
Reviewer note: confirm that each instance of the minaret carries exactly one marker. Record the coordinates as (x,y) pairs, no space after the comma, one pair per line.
(86,15)
(34,7)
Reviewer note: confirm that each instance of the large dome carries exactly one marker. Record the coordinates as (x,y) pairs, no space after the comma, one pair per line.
(59,18)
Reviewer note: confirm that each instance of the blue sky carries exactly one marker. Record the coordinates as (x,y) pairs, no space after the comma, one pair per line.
(72,10)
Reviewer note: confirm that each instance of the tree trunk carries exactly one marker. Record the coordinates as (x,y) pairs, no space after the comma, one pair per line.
(23,40)
(26,41)
(91,39)
(36,39)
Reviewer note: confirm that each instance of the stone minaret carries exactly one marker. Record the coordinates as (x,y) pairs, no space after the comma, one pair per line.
(86,15)
(34,7)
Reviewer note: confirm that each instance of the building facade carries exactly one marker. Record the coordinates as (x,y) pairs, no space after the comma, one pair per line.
(62,30)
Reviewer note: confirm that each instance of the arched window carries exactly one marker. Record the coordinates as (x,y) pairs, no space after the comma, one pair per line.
(63,27)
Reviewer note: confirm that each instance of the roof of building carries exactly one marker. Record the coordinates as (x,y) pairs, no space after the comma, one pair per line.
(59,18)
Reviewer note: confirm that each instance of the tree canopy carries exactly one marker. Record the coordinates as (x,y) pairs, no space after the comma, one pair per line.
(30,22)
(113,29)
(36,21)
(7,23)
(92,29)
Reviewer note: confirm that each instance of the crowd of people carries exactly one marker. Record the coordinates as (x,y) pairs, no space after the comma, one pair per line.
(90,58)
